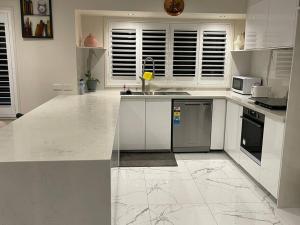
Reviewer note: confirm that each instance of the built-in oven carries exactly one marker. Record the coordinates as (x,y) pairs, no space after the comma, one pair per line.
(252,134)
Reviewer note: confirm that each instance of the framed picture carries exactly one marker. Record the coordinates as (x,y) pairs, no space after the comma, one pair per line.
(36,19)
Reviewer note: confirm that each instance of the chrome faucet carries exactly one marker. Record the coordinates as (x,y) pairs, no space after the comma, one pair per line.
(153,71)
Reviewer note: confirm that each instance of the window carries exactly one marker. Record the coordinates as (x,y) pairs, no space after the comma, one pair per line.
(213,52)
(5,98)
(184,52)
(123,52)
(193,54)
(154,45)
(8,106)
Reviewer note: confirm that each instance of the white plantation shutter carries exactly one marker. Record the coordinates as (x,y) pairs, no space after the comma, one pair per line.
(8,107)
(281,64)
(5,96)
(214,51)
(123,52)
(184,52)
(154,45)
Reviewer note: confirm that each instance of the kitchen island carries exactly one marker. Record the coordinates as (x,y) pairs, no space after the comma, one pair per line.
(55,162)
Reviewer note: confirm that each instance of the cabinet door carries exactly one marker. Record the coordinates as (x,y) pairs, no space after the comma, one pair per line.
(218,124)
(158,124)
(233,130)
(271,155)
(256,24)
(282,23)
(132,124)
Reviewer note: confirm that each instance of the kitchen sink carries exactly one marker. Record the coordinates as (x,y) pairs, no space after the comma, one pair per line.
(154,93)
(132,93)
(171,93)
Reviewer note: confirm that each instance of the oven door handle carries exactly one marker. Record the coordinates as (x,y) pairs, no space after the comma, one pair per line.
(252,122)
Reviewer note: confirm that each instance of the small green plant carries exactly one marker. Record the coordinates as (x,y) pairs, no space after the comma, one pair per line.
(89,76)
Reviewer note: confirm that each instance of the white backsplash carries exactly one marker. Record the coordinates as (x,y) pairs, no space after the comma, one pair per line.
(267,62)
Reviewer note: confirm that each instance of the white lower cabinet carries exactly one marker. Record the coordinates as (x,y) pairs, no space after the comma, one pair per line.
(158,124)
(145,124)
(233,130)
(271,155)
(218,124)
(132,124)
(250,166)
(268,173)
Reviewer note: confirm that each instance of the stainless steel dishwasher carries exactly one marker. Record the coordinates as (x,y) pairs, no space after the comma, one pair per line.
(191,126)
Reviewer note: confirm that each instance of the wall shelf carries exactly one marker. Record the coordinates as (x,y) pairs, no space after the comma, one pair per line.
(260,49)
(83,47)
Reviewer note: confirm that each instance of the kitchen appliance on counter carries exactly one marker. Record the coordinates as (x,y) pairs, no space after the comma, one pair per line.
(191,126)
(252,134)
(260,91)
(271,103)
(243,84)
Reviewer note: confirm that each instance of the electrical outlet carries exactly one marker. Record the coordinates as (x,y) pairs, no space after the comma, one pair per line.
(58,87)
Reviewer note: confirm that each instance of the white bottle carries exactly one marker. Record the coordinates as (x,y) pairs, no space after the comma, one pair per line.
(81,87)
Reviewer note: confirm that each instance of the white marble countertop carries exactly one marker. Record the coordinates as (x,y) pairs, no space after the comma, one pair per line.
(67,128)
(243,100)
(82,127)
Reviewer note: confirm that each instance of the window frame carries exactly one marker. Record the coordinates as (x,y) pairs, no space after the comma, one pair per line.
(110,80)
(158,26)
(10,110)
(169,80)
(207,81)
(185,80)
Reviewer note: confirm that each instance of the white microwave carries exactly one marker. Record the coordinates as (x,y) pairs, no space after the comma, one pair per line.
(243,84)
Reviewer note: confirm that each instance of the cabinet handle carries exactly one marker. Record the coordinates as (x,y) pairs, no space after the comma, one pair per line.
(252,122)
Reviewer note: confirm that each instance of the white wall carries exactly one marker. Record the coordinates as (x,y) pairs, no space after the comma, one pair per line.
(256,64)
(41,63)
(289,195)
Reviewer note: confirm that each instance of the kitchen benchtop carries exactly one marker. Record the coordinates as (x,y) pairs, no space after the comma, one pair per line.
(67,128)
(243,100)
(82,127)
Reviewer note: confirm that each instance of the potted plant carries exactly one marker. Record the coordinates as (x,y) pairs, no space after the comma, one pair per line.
(91,82)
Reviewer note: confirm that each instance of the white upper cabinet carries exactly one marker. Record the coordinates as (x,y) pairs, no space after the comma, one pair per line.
(271,23)
(233,130)
(256,24)
(218,124)
(158,124)
(271,155)
(282,23)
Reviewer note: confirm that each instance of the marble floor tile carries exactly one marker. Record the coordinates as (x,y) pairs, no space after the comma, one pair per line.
(244,214)
(181,215)
(216,190)
(131,173)
(173,192)
(207,168)
(233,171)
(180,172)
(123,214)
(130,192)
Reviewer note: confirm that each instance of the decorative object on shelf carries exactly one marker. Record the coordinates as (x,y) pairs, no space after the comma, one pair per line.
(36,19)
(90,41)
(42,7)
(91,82)
(174,7)
(239,43)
